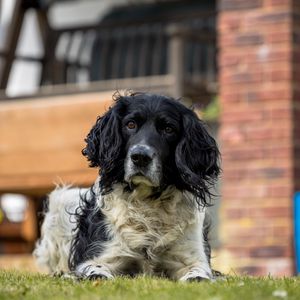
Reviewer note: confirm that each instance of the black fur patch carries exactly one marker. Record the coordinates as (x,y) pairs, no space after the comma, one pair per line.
(91,231)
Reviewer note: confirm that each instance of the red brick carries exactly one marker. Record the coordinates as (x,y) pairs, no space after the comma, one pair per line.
(276,3)
(230,23)
(252,270)
(229,61)
(268,252)
(248,39)
(279,191)
(240,251)
(279,54)
(238,4)
(279,75)
(278,37)
(271,17)
(244,77)
(279,267)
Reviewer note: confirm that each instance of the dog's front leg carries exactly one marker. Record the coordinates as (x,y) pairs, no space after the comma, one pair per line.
(187,260)
(93,269)
(112,262)
(197,272)
(186,269)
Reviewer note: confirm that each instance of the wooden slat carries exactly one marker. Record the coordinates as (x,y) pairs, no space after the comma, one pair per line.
(10,230)
(175,60)
(42,139)
(117,53)
(157,50)
(12,41)
(144,50)
(104,53)
(155,84)
(130,53)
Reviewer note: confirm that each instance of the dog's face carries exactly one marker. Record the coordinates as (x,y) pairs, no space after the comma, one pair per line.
(155,141)
(151,130)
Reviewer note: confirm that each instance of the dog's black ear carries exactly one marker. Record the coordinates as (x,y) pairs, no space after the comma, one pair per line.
(104,141)
(197,158)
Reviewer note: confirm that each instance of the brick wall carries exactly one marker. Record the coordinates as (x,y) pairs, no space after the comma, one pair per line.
(260,104)
(296,91)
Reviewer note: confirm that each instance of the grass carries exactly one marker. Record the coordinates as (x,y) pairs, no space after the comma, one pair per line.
(20,285)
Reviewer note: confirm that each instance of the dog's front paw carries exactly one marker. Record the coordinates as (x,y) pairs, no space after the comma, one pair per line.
(93,272)
(196,274)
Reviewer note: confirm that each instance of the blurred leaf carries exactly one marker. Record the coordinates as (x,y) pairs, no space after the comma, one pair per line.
(212,111)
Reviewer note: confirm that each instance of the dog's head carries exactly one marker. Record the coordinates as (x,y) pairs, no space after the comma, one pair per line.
(155,141)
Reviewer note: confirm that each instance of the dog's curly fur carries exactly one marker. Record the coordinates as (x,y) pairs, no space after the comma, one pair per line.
(146,211)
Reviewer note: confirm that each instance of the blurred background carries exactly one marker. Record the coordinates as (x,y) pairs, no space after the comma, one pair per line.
(235,61)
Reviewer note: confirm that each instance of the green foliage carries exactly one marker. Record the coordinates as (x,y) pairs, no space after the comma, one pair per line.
(16,285)
(212,110)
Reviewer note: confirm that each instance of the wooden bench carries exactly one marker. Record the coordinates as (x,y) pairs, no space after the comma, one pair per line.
(41,141)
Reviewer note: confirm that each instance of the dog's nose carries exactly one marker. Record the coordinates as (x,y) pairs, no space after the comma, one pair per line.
(141,156)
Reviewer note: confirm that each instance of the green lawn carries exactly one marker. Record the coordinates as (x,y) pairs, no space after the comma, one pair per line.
(17,285)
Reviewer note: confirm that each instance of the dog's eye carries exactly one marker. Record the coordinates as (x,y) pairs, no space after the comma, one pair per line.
(131,125)
(168,129)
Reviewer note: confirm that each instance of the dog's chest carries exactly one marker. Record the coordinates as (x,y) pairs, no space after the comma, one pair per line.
(151,225)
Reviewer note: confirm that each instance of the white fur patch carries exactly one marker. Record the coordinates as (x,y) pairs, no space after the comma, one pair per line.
(57,232)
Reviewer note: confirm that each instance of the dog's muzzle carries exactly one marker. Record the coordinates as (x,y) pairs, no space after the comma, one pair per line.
(141,156)
(142,165)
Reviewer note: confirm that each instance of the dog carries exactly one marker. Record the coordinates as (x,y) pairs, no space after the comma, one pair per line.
(146,212)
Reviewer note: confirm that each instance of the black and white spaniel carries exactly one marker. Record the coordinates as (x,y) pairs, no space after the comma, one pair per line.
(145,214)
